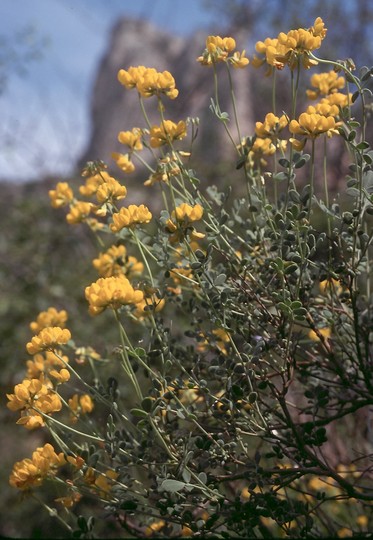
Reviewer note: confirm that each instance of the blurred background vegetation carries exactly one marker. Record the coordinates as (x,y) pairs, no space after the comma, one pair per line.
(45,262)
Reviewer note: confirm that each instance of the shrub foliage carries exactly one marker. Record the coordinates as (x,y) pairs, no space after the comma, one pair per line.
(236,398)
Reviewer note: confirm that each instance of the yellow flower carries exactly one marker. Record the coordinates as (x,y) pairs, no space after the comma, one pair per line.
(61,376)
(79,211)
(25,393)
(167,132)
(330,286)
(111,292)
(62,195)
(264,147)
(148,306)
(239,60)
(30,473)
(178,273)
(344,533)
(324,108)
(217,50)
(154,527)
(148,81)
(130,78)
(362,521)
(115,262)
(310,126)
(271,126)
(187,213)
(42,365)
(105,482)
(269,49)
(48,339)
(132,139)
(341,100)
(70,500)
(324,332)
(93,183)
(288,49)
(80,405)
(128,217)
(32,397)
(325,83)
(124,163)
(51,317)
(111,190)
(155,83)
(181,218)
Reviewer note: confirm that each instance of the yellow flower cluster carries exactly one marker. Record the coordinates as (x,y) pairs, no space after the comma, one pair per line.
(62,195)
(43,367)
(148,81)
(128,217)
(30,473)
(115,262)
(79,211)
(147,306)
(271,126)
(132,139)
(124,162)
(289,49)
(167,132)
(51,317)
(310,126)
(267,139)
(33,397)
(180,222)
(110,191)
(80,405)
(92,183)
(325,84)
(218,49)
(113,292)
(48,339)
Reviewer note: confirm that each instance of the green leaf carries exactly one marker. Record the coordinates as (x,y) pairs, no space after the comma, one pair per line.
(139,413)
(172,486)
(363,145)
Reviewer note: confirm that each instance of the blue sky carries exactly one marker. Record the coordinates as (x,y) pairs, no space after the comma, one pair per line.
(44,113)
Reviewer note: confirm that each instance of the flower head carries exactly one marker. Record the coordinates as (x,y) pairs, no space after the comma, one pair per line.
(271,126)
(51,317)
(48,339)
(30,473)
(310,126)
(110,191)
(79,211)
(62,195)
(148,81)
(128,217)
(218,49)
(115,262)
(292,47)
(80,405)
(132,139)
(111,292)
(325,84)
(124,162)
(167,132)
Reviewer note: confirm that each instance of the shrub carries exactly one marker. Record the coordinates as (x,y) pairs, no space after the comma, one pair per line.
(229,404)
